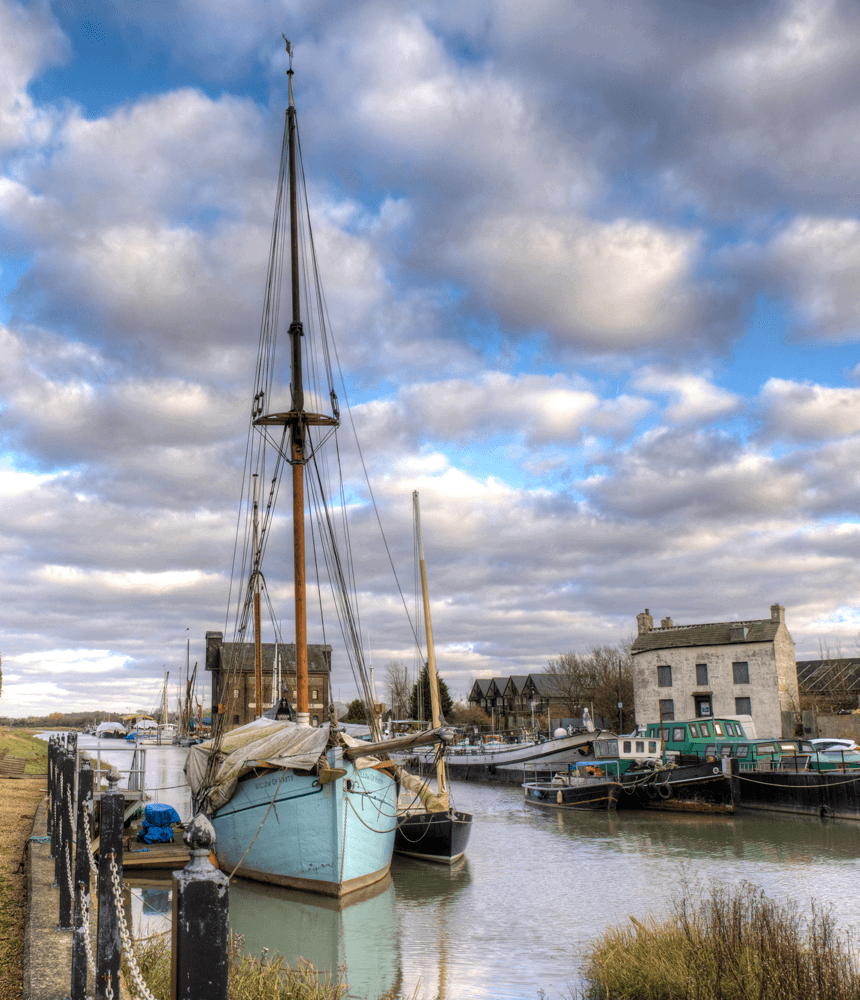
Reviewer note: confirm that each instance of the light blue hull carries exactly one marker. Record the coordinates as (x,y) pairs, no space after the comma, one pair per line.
(329,838)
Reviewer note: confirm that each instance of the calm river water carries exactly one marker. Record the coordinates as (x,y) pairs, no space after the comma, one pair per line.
(535,887)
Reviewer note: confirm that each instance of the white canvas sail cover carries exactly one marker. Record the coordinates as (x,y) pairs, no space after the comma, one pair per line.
(263,741)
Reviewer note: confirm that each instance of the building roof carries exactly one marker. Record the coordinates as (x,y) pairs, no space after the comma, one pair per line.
(713,634)
(840,675)
(516,684)
(319,657)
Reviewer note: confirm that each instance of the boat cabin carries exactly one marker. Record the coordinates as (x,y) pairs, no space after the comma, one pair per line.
(619,754)
(697,737)
(786,755)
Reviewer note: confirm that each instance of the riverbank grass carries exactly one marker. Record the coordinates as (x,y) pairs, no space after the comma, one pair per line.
(725,943)
(251,977)
(34,750)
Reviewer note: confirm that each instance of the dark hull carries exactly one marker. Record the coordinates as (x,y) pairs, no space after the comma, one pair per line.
(600,795)
(433,836)
(813,793)
(691,788)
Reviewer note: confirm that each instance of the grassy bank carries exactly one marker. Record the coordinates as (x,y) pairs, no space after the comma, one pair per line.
(251,977)
(733,943)
(18,801)
(34,750)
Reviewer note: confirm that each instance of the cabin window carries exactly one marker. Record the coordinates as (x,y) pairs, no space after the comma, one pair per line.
(742,749)
(711,750)
(627,746)
(743,706)
(788,747)
(664,735)
(718,730)
(652,746)
(704,729)
(664,676)
(740,673)
(679,734)
(606,748)
(640,746)
(667,709)
(765,749)
(694,730)
(702,674)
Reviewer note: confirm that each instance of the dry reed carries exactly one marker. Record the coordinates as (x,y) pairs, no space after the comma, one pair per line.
(733,943)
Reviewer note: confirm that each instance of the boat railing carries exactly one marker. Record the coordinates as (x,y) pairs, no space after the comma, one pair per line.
(134,773)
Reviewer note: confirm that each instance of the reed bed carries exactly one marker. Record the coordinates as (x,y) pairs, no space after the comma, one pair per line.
(251,977)
(725,943)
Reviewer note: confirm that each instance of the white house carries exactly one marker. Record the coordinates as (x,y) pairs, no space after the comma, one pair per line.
(722,669)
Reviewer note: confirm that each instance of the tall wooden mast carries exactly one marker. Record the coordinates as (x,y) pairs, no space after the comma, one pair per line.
(297,419)
(441,775)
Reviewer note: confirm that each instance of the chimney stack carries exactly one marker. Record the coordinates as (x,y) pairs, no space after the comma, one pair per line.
(777,613)
(666,623)
(644,622)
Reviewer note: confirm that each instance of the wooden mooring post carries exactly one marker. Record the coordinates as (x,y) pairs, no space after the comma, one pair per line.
(82,881)
(200,938)
(63,873)
(109,949)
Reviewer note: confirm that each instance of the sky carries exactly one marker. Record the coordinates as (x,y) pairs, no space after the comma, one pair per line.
(592,269)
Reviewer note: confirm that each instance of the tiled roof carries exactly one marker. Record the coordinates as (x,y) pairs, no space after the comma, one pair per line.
(516,683)
(833,676)
(715,634)
(319,656)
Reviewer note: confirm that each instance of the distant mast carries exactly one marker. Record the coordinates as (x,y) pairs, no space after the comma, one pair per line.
(258,643)
(435,708)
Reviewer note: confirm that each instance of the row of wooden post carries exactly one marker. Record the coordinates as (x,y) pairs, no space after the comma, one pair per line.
(200,934)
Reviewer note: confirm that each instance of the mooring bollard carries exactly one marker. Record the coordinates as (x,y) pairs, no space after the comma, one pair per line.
(82,881)
(65,844)
(110,857)
(200,961)
(50,816)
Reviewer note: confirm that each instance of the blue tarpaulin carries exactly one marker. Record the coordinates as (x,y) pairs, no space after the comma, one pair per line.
(160,814)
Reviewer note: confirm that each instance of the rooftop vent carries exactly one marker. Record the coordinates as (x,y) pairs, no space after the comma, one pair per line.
(737,633)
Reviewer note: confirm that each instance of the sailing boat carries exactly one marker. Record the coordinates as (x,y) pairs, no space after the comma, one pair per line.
(427,826)
(294,804)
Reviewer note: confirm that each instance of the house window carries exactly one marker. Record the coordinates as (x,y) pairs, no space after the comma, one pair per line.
(743,706)
(701,675)
(664,677)
(741,673)
(235,692)
(315,694)
(667,709)
(235,720)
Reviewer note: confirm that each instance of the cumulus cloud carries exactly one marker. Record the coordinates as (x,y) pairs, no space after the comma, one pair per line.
(697,399)
(805,412)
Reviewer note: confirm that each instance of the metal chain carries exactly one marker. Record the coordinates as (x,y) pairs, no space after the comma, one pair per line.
(69,874)
(85,914)
(124,935)
(94,868)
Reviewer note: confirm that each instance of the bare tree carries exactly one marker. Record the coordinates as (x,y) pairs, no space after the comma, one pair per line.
(601,678)
(399,688)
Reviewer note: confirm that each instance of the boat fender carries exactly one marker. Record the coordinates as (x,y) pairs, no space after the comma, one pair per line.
(717,770)
(664,790)
(825,812)
(559,798)
(651,791)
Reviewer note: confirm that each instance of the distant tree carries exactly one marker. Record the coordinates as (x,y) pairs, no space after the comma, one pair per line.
(356,712)
(397,681)
(420,708)
(601,678)
(465,714)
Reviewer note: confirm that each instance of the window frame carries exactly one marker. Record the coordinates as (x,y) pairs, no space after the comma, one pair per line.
(739,708)
(745,672)
(664,670)
(700,669)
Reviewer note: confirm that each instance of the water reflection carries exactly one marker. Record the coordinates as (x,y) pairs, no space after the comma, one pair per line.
(533,890)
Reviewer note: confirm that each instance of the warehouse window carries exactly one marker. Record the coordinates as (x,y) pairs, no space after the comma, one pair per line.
(667,709)
(664,677)
(741,673)
(743,706)
(702,674)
